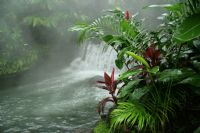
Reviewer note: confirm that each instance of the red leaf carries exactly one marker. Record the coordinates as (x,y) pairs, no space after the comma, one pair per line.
(104,87)
(113,75)
(157,54)
(152,55)
(107,79)
(127,15)
(102,103)
(149,52)
(101,82)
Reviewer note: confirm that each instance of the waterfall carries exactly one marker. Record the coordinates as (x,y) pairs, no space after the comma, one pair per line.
(94,57)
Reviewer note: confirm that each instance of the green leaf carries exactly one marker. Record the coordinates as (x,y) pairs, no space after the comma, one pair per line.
(193,80)
(119,63)
(79,27)
(101,127)
(127,89)
(196,64)
(139,58)
(129,73)
(128,28)
(197,130)
(174,74)
(189,29)
(107,38)
(169,7)
(138,93)
(82,36)
(154,70)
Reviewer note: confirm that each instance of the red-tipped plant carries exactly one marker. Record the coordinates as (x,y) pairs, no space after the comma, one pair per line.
(110,84)
(152,55)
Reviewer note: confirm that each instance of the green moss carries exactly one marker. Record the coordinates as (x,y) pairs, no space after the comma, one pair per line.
(101,127)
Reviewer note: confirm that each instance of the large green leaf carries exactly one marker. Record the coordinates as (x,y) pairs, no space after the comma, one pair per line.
(127,89)
(119,63)
(154,70)
(174,74)
(193,80)
(189,29)
(128,28)
(138,93)
(129,73)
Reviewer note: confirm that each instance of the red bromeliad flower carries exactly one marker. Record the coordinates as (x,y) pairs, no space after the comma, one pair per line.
(152,55)
(109,81)
(127,17)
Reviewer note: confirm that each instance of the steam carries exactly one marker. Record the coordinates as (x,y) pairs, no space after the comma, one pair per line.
(49,35)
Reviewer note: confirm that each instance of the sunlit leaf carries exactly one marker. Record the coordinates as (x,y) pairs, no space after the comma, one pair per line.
(129,73)
(154,70)
(139,58)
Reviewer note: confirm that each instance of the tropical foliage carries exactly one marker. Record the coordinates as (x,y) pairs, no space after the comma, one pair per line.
(159,90)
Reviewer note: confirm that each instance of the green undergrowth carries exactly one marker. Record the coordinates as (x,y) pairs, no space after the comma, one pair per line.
(101,127)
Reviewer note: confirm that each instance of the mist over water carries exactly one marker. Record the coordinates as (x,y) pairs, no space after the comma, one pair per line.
(65,102)
(59,93)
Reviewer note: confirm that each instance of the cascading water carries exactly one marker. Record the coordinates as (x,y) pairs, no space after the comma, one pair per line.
(65,102)
(94,57)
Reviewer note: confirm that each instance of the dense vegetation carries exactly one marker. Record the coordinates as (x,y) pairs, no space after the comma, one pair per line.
(160,89)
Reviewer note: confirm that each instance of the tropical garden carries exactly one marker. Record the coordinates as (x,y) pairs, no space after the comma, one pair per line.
(153,86)
(158,89)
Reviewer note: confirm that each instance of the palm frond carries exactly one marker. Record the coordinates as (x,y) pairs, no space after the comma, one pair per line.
(130,114)
(190,7)
(112,24)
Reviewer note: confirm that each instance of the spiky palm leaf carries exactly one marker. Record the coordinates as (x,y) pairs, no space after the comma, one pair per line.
(148,110)
(190,7)
(130,114)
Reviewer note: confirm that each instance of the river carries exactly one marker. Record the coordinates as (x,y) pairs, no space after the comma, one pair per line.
(65,102)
